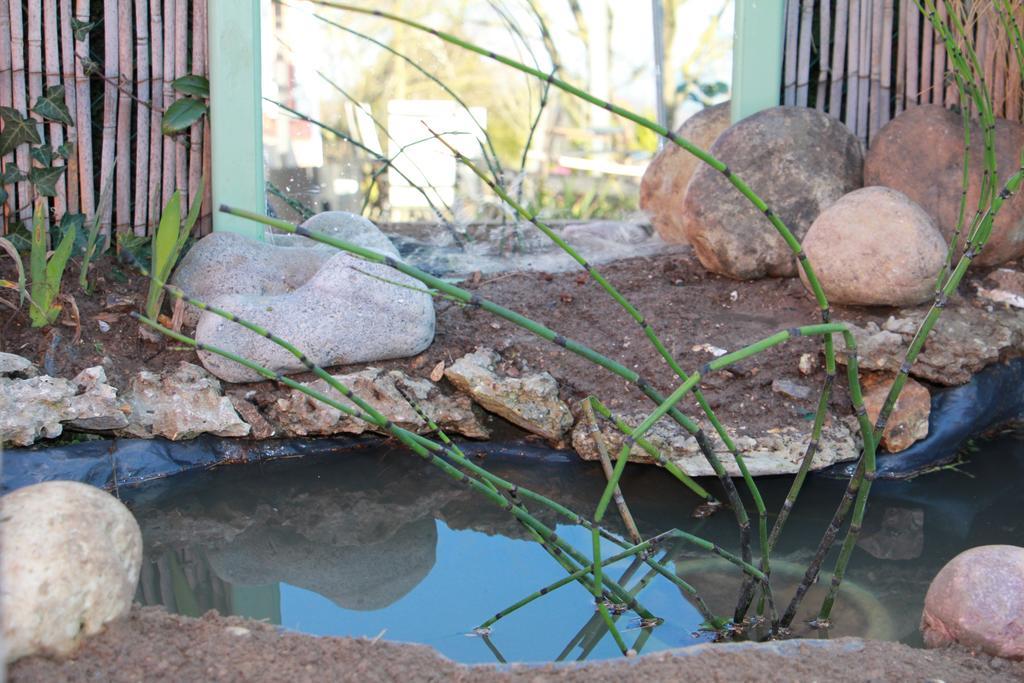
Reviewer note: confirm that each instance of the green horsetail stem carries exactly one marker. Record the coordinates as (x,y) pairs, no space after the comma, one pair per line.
(373,416)
(435,428)
(406,438)
(655,454)
(606,465)
(522,321)
(649,332)
(704,156)
(490,155)
(977,237)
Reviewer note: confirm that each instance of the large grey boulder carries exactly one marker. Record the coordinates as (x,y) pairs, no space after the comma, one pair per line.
(664,183)
(336,308)
(921,154)
(229,263)
(875,247)
(798,160)
(977,600)
(351,311)
(70,562)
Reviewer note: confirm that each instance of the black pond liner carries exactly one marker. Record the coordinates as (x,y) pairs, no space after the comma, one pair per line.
(994,397)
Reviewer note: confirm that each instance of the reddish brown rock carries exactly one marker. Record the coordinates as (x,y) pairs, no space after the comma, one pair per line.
(665,180)
(920,153)
(908,421)
(977,600)
(875,247)
(798,160)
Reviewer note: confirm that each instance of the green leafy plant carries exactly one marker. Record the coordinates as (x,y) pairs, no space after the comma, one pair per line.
(106,196)
(168,243)
(47,270)
(189,109)
(21,130)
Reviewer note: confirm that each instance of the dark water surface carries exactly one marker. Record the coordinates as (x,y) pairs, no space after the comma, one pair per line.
(359,544)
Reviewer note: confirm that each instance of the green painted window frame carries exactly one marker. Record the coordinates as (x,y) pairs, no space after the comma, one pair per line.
(236,113)
(236,106)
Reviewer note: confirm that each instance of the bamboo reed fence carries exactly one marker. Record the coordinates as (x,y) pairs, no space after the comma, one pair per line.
(864,61)
(117,84)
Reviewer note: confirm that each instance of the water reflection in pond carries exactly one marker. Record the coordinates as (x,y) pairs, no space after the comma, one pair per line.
(362,545)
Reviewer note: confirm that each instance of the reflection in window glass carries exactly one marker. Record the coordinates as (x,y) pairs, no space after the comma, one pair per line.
(349,99)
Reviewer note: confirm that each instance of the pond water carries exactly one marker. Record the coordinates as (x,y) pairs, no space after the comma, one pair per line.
(379,544)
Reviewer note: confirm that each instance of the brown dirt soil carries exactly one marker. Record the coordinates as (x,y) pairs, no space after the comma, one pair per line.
(686,305)
(152,645)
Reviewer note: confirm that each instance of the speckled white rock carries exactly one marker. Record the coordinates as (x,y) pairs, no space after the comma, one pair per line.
(71,560)
(977,600)
(229,263)
(352,311)
(39,407)
(875,247)
(12,364)
(180,404)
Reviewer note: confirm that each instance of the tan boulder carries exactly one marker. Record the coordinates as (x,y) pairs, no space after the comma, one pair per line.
(908,422)
(920,153)
(875,247)
(665,180)
(977,601)
(70,563)
(798,160)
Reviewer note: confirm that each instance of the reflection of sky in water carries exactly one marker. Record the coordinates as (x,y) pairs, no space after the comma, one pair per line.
(474,576)
(382,543)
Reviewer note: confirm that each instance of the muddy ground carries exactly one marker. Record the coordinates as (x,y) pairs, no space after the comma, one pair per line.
(152,645)
(690,309)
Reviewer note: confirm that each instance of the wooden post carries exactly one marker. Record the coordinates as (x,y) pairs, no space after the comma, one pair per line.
(757,56)
(236,112)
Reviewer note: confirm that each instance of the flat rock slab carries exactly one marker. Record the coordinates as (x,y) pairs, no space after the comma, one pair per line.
(779,452)
(386,391)
(965,340)
(529,401)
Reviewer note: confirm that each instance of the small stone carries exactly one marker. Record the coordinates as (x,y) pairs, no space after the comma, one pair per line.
(70,564)
(1007,287)
(95,407)
(530,401)
(808,363)
(977,601)
(259,427)
(13,365)
(238,631)
(793,390)
(908,422)
(103,325)
(875,247)
(799,161)
(663,185)
(180,404)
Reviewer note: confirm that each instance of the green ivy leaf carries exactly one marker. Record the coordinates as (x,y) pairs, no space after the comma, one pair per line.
(67,150)
(45,179)
(11,174)
(81,29)
(181,115)
(43,154)
(3,196)
(197,86)
(51,106)
(17,130)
